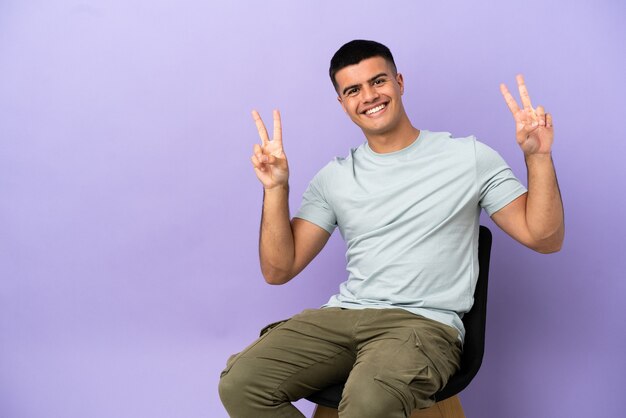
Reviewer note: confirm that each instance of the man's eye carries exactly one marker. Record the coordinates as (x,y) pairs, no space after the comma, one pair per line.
(379,81)
(352,91)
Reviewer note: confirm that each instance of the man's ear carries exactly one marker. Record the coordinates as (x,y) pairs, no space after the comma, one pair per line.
(341,103)
(400,81)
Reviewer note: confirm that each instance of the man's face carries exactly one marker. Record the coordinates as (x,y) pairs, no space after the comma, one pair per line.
(371,94)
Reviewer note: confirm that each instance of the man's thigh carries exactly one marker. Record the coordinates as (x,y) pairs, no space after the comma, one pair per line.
(297,357)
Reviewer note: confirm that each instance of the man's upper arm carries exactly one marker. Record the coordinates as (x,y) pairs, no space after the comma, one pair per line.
(308,241)
(498,185)
(512,220)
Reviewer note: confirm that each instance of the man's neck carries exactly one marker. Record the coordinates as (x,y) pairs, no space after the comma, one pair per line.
(400,138)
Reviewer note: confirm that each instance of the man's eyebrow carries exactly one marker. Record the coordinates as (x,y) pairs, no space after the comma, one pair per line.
(369,81)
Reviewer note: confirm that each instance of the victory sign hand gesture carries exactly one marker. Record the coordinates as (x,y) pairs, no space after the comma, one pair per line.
(533,126)
(269,159)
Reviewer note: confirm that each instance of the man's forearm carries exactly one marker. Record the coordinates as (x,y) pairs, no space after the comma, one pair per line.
(276,243)
(544,208)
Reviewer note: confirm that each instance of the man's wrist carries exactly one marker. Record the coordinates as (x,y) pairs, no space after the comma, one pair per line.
(538,157)
(279,188)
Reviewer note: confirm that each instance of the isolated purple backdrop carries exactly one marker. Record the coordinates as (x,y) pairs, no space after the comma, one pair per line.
(129,211)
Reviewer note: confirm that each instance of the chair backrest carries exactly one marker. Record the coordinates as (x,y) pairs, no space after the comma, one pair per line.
(473,347)
(474,322)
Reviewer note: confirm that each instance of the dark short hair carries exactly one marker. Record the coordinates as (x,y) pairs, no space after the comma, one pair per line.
(356,51)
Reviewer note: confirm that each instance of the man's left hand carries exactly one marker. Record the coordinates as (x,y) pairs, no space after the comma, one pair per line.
(533,126)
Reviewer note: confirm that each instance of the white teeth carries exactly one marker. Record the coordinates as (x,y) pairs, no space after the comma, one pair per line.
(375,109)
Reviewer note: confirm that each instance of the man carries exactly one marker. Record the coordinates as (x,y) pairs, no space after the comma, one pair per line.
(407,202)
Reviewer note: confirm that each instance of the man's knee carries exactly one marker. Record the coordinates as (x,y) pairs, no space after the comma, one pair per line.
(250,381)
(375,398)
(239,385)
(230,386)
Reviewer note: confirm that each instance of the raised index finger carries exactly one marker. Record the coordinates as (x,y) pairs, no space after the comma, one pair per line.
(508,98)
(278,129)
(260,126)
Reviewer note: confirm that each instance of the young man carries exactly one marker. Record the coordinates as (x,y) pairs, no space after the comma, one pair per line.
(407,202)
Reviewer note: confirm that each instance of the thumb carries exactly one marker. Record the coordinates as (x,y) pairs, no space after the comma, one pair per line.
(527,127)
(274,160)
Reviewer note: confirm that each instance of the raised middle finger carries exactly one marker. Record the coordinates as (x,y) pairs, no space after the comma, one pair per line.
(523,92)
(278,130)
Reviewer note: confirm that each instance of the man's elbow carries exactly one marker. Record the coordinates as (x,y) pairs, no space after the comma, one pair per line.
(274,280)
(549,249)
(550,245)
(276,276)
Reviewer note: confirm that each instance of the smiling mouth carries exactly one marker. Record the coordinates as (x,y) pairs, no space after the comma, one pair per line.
(375,109)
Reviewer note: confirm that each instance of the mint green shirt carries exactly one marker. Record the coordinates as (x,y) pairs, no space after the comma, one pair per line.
(410,221)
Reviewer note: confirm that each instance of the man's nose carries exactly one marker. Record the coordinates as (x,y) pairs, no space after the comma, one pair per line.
(370,94)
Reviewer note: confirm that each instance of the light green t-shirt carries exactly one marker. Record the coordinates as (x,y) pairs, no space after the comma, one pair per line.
(410,220)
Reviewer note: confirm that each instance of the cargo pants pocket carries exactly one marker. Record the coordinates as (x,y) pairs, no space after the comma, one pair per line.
(410,374)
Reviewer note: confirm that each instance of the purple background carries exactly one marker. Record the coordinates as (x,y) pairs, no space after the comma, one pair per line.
(129,210)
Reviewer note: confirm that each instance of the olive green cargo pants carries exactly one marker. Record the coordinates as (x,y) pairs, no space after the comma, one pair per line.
(393,360)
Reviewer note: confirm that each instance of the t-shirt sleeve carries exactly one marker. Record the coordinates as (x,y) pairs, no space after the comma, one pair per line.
(497,184)
(315,206)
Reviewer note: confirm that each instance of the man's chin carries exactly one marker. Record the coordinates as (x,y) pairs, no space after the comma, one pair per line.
(377,130)
(370,125)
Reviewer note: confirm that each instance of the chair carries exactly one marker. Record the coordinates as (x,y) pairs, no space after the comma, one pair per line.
(448,404)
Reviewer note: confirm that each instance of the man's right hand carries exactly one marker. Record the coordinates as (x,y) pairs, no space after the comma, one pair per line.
(269,159)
